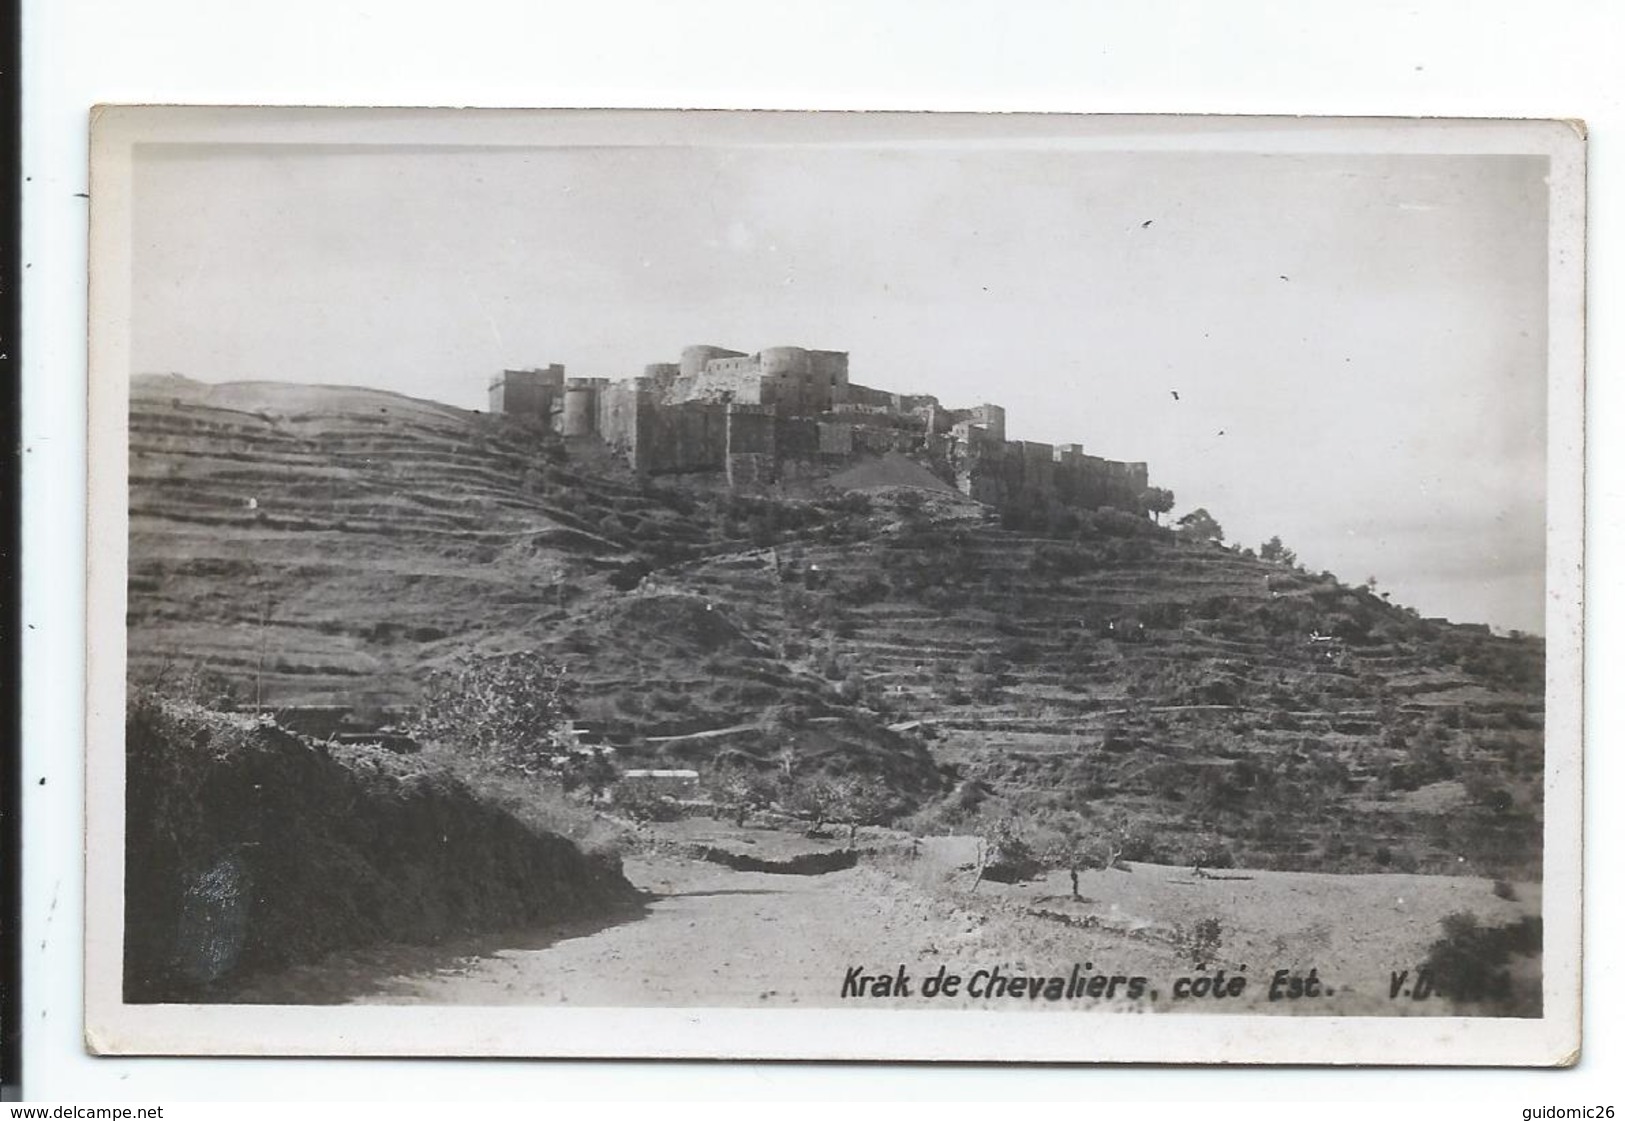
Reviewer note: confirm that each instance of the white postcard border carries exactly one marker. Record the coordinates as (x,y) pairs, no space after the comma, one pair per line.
(113,1027)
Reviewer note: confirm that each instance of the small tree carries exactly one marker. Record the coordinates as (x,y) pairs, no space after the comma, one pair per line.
(591,768)
(507,710)
(1200,527)
(1158,501)
(1070,848)
(815,799)
(1274,550)
(741,792)
(861,800)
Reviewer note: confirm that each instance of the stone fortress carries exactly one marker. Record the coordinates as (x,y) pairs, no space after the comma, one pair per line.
(789,413)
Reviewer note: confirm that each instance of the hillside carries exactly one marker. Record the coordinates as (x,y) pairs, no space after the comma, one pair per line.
(324,546)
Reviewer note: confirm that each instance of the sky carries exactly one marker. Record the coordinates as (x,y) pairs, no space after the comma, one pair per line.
(1345,350)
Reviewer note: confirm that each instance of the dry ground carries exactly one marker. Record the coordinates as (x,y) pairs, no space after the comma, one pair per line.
(707,935)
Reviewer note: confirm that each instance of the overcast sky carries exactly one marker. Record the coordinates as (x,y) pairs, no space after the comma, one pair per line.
(1357,342)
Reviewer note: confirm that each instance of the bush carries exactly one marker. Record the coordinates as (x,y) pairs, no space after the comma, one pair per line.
(197,683)
(1064,560)
(1009,857)
(1127,551)
(1470,963)
(1200,941)
(505,710)
(850,800)
(629,575)
(1211,852)
(740,791)
(640,803)
(1111,522)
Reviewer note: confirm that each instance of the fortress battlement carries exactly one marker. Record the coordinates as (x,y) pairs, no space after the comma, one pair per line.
(790,411)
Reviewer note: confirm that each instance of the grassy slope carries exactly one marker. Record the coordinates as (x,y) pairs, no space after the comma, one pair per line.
(387,533)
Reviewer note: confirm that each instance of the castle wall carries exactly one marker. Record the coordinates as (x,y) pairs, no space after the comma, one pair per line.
(530,393)
(1037,468)
(626,414)
(579,414)
(830,367)
(789,412)
(661,438)
(863,395)
(990,417)
(921,403)
(695,358)
(751,429)
(796,438)
(834,438)
(691,437)
(719,384)
(752,445)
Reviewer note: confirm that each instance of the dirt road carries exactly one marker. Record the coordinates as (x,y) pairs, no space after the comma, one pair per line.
(707,935)
(710,935)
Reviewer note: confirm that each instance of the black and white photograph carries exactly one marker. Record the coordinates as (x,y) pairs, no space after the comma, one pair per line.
(834,585)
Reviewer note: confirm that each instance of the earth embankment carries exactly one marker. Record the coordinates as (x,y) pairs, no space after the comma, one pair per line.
(250,848)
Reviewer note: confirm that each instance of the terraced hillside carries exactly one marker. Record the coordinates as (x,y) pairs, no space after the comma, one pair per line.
(317,544)
(327,546)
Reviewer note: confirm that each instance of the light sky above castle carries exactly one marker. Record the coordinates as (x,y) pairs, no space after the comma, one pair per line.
(1347,350)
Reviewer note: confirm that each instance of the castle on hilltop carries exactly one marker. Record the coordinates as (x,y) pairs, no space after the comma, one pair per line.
(788,413)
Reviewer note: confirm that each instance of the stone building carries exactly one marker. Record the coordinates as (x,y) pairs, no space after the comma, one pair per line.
(534,393)
(787,412)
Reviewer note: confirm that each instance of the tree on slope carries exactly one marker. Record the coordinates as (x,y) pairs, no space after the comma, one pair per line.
(1274,550)
(506,710)
(1158,500)
(1200,527)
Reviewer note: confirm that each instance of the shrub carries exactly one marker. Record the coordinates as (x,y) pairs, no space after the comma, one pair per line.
(850,800)
(1211,852)
(642,804)
(197,683)
(1111,522)
(1130,551)
(740,791)
(1064,560)
(592,770)
(1200,527)
(1009,857)
(1470,963)
(1200,941)
(629,575)
(1135,844)
(505,710)
(1483,791)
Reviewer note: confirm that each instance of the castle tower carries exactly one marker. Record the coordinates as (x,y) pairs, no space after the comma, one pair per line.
(580,414)
(695,358)
(528,393)
(991,418)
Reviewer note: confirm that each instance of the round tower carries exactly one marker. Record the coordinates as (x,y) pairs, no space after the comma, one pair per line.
(695,358)
(779,361)
(580,407)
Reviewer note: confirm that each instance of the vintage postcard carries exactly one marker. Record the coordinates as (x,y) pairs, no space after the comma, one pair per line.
(835,586)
